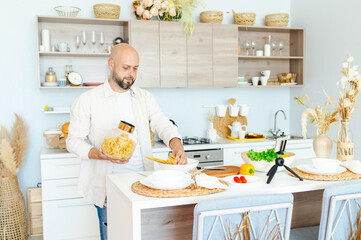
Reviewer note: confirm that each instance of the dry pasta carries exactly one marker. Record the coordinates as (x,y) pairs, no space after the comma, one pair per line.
(121,147)
(170,160)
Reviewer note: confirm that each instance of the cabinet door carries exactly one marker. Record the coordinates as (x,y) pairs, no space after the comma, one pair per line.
(60,168)
(225,59)
(199,56)
(173,55)
(145,39)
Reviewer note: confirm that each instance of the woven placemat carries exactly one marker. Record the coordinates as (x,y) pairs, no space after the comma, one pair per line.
(221,123)
(348,175)
(192,190)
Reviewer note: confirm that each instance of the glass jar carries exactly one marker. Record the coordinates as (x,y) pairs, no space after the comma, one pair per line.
(267,46)
(121,142)
(50,75)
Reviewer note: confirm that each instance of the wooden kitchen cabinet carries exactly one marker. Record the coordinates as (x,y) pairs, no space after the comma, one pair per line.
(225,59)
(91,64)
(200,56)
(173,55)
(145,39)
(291,60)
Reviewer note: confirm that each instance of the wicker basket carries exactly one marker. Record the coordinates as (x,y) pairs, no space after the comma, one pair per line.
(245,18)
(277,19)
(67,11)
(13,223)
(211,17)
(106,10)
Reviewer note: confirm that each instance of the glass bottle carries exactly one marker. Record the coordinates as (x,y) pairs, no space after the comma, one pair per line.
(345,145)
(50,75)
(345,132)
(267,46)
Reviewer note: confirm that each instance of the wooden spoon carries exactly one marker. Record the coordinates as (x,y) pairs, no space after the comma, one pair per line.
(231,101)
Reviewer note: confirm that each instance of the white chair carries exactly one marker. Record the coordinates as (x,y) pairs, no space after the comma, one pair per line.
(338,216)
(214,219)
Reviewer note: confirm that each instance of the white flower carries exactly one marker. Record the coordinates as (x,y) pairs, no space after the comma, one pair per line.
(154,11)
(147,15)
(148,3)
(351,92)
(344,65)
(355,68)
(172,12)
(157,4)
(165,4)
(350,59)
(343,81)
(140,10)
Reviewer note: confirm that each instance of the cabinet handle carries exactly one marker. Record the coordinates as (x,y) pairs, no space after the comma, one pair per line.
(66,185)
(74,205)
(66,164)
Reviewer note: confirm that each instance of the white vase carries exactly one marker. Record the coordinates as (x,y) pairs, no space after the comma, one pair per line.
(211,132)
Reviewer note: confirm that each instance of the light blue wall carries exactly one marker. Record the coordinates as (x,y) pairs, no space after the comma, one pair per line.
(331,34)
(19,84)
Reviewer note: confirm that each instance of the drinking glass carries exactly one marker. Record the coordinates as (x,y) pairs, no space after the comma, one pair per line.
(101,40)
(247,45)
(77,41)
(83,40)
(281,46)
(253,46)
(273,45)
(93,40)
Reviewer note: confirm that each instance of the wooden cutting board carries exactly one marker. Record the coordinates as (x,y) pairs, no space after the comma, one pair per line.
(228,171)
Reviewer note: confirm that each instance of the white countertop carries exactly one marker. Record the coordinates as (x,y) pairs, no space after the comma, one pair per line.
(281,183)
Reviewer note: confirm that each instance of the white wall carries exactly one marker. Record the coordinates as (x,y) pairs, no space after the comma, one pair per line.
(332,32)
(19,84)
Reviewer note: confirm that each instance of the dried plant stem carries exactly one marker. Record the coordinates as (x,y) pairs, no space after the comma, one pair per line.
(7,157)
(4,134)
(19,140)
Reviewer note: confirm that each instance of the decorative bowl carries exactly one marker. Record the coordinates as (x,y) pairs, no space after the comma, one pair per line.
(326,164)
(67,11)
(264,166)
(192,164)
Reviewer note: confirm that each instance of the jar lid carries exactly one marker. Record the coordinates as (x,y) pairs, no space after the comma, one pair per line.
(127,127)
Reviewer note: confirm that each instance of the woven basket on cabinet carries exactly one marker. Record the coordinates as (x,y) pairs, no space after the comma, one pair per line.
(277,19)
(106,10)
(211,17)
(245,18)
(13,224)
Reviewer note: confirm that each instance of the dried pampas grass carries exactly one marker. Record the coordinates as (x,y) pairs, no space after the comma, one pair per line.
(356,234)
(13,147)
(19,140)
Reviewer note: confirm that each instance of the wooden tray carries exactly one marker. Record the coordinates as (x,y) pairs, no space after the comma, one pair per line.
(192,190)
(228,171)
(348,175)
(246,139)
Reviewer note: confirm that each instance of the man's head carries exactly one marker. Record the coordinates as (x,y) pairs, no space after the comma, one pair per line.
(123,64)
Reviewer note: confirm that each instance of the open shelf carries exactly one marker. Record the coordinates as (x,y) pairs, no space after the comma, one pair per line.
(269,57)
(73,54)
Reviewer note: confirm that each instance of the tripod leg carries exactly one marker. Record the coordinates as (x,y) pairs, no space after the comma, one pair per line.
(272,172)
(291,171)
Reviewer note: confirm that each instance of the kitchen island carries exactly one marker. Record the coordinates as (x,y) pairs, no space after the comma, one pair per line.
(134,217)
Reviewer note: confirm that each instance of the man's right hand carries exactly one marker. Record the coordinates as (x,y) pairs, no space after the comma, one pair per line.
(98,154)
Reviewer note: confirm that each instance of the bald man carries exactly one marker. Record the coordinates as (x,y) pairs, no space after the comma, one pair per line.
(95,113)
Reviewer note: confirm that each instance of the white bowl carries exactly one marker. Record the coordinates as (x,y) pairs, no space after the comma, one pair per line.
(192,164)
(326,164)
(168,178)
(264,166)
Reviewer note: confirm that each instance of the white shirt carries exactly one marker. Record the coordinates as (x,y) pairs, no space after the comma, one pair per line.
(96,112)
(135,163)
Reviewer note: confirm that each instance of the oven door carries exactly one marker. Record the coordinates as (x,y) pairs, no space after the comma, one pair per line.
(206,157)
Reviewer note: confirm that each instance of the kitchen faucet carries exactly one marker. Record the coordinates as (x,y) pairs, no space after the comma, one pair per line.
(276,131)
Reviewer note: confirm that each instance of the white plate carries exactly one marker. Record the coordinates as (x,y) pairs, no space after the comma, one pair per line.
(244,83)
(50,84)
(249,178)
(148,183)
(309,168)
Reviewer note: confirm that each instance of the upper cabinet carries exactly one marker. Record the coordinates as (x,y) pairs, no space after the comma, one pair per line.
(88,57)
(145,38)
(289,59)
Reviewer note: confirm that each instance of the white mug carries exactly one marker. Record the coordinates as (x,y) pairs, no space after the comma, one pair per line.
(266,73)
(255,81)
(244,109)
(62,47)
(233,110)
(242,134)
(264,80)
(259,53)
(221,110)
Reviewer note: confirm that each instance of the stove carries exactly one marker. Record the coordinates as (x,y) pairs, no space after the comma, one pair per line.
(195,140)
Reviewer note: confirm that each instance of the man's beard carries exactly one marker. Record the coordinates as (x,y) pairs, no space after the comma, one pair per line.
(121,82)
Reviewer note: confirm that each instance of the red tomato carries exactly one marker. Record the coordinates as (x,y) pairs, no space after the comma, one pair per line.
(237,179)
(243,179)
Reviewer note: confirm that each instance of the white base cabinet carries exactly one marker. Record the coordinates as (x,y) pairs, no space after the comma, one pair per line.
(66,215)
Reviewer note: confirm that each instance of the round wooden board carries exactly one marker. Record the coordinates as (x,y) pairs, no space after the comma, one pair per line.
(192,190)
(348,175)
(221,124)
(228,171)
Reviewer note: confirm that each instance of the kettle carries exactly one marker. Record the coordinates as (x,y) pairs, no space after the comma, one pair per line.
(236,128)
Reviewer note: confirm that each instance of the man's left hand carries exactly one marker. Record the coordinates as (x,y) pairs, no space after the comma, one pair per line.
(178,151)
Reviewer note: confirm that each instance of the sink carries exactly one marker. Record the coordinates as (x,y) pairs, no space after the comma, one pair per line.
(291,137)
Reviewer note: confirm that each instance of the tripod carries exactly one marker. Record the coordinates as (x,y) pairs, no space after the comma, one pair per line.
(279,162)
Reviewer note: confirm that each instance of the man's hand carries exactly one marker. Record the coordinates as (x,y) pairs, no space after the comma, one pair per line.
(178,151)
(98,154)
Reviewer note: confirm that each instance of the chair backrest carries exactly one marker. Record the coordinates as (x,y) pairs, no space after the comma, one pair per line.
(267,214)
(339,210)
